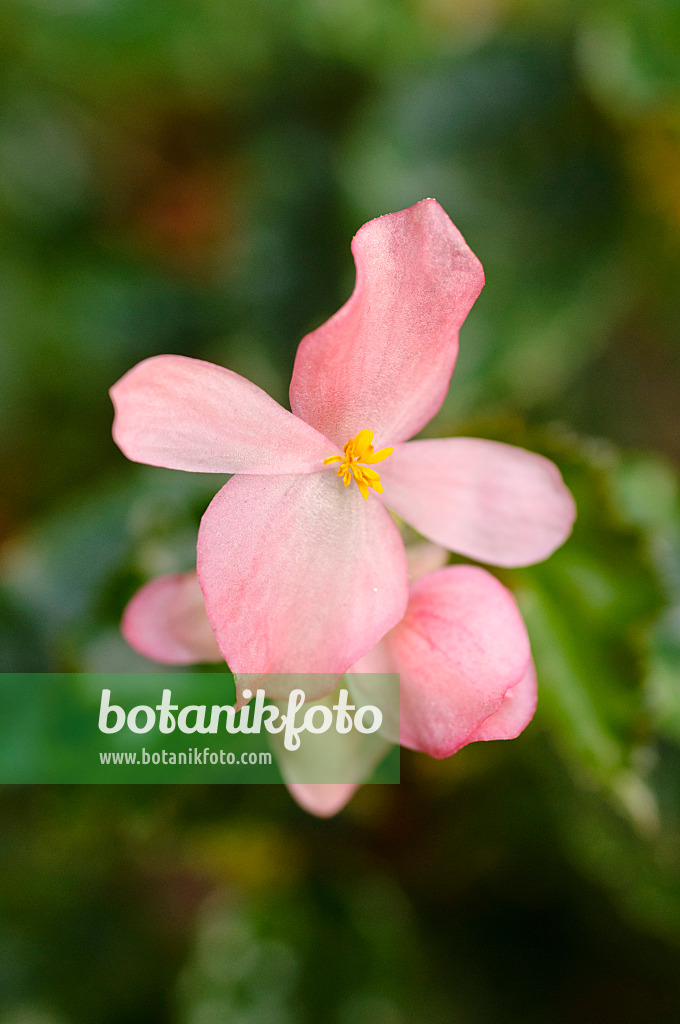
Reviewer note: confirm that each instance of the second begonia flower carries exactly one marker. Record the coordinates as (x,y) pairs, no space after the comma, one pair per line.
(461,653)
(301,566)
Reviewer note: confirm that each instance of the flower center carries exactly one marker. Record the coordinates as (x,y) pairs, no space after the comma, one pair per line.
(359,449)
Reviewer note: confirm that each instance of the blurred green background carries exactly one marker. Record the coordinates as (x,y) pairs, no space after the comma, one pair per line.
(185,176)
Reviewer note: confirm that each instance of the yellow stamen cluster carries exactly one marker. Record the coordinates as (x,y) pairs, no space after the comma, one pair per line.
(359,449)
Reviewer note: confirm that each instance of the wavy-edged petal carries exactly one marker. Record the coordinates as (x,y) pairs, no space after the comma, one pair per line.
(460,648)
(484,499)
(188,414)
(166,621)
(383,362)
(299,573)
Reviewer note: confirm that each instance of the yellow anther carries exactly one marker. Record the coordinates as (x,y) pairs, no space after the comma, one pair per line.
(360,449)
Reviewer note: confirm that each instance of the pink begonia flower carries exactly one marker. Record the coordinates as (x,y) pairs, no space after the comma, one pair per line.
(301,570)
(461,650)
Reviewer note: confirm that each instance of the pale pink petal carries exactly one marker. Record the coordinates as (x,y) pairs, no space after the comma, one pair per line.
(460,647)
(326,769)
(424,558)
(187,414)
(383,362)
(299,573)
(322,799)
(278,686)
(514,714)
(166,621)
(486,500)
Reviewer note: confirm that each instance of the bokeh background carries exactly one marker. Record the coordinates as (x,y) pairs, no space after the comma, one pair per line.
(185,176)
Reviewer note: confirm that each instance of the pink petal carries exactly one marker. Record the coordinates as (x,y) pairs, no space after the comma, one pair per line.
(383,362)
(279,686)
(324,799)
(166,621)
(460,647)
(489,501)
(514,714)
(424,558)
(323,773)
(188,414)
(299,573)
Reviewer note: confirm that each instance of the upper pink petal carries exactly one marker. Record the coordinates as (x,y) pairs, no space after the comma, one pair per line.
(384,361)
(166,621)
(185,413)
(460,648)
(514,714)
(486,500)
(299,573)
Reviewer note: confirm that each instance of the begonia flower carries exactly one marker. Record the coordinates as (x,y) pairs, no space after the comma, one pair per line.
(301,565)
(461,650)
